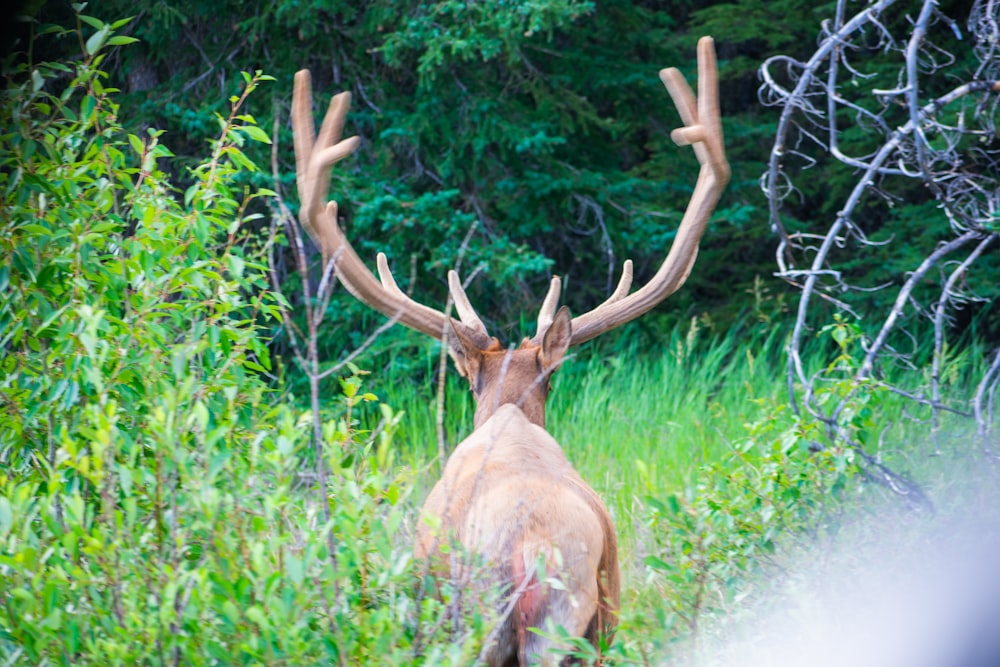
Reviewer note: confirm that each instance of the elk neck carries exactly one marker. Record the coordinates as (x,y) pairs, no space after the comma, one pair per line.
(510,376)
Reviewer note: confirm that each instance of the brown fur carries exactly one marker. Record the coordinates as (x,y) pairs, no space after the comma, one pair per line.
(509,497)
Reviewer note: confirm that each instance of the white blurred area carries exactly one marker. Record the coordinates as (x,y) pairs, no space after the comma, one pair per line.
(901,589)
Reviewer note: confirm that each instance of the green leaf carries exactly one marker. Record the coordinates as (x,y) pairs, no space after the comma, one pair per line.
(121,40)
(121,23)
(657,563)
(91,21)
(256,133)
(96,41)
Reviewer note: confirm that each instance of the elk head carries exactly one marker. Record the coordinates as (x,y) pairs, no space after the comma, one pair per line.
(508,493)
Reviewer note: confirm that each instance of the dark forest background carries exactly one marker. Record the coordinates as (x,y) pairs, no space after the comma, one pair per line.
(540,130)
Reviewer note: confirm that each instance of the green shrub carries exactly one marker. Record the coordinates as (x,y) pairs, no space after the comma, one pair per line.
(158,504)
(718,541)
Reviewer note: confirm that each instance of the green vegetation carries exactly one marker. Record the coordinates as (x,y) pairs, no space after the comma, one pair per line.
(162,498)
(157,505)
(540,126)
(714,483)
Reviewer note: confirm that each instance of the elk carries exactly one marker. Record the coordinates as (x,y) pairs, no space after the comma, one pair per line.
(508,494)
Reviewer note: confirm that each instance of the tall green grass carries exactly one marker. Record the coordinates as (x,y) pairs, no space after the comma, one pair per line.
(637,423)
(657,415)
(694,448)
(630,422)
(629,419)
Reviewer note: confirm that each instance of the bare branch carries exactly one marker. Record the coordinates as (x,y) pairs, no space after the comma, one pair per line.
(886,68)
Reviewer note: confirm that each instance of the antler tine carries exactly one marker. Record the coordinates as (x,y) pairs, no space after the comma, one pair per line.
(304,139)
(386,277)
(624,283)
(703,130)
(548,310)
(464,307)
(314,155)
(547,313)
(702,116)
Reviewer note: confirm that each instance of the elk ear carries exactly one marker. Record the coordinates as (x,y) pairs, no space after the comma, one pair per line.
(556,340)
(464,352)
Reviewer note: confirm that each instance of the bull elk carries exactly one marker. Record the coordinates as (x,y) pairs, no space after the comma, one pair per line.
(508,495)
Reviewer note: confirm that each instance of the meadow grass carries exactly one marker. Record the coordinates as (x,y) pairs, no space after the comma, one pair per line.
(646,423)
(632,424)
(640,426)
(637,424)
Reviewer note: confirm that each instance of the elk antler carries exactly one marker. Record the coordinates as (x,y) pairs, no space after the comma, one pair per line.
(703,130)
(314,156)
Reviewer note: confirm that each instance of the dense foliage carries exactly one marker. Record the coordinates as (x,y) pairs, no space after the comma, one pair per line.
(541,129)
(537,129)
(156,504)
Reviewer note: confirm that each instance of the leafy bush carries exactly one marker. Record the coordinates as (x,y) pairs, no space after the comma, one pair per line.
(715,538)
(158,505)
(779,487)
